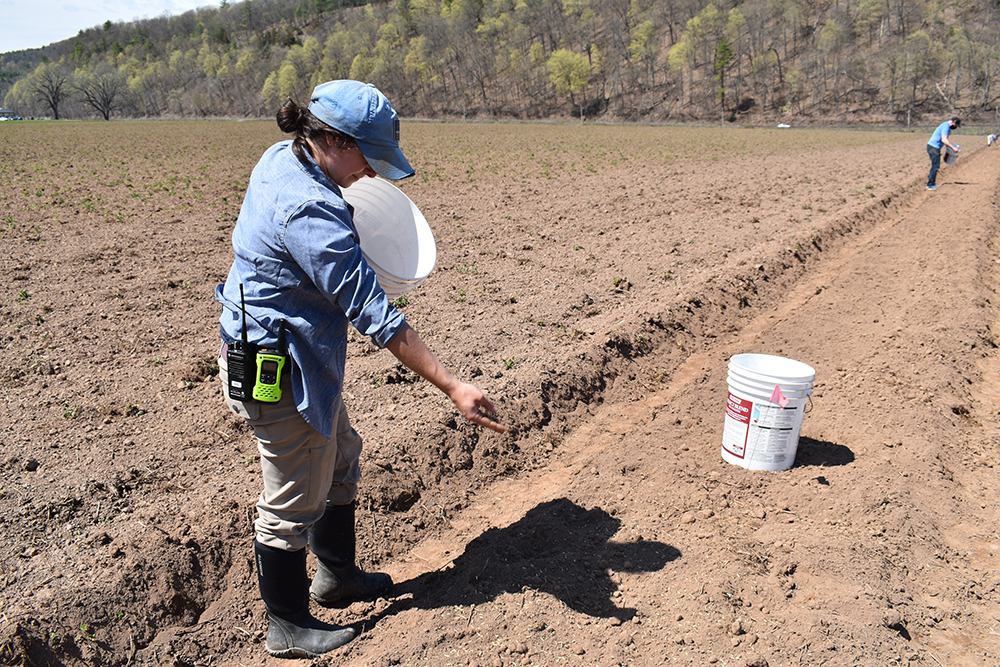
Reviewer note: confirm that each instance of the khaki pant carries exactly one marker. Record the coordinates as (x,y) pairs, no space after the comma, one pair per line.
(303,471)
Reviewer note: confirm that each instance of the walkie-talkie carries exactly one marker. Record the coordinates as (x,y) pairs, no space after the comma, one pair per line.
(267,388)
(241,357)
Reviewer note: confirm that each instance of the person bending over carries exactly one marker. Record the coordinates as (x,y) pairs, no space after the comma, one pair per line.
(299,271)
(939,139)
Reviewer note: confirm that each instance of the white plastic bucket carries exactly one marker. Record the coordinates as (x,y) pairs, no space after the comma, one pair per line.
(768,391)
(762,384)
(761,434)
(950,156)
(770,367)
(396,240)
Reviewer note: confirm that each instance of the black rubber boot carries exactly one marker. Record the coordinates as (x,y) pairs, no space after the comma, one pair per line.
(338,580)
(292,632)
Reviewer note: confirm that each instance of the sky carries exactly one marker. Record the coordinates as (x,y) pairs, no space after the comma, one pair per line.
(30,24)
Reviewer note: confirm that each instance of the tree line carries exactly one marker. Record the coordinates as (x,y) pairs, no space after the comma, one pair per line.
(640,60)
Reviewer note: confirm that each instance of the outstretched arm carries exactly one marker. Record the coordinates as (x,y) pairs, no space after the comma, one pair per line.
(407,346)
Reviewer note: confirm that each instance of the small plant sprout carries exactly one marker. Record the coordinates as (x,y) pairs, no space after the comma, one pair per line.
(400,301)
(23,295)
(509,363)
(86,634)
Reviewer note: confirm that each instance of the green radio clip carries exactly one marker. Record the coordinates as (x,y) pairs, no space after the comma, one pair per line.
(267,388)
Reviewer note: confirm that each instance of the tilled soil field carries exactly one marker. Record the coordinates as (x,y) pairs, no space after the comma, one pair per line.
(594,281)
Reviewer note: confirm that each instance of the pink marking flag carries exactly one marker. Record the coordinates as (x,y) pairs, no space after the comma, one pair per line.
(778,397)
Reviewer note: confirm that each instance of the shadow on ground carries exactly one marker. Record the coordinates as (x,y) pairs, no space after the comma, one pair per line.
(557,548)
(821,453)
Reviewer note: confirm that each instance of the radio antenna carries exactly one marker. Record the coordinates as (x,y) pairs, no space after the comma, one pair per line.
(243,310)
(281,337)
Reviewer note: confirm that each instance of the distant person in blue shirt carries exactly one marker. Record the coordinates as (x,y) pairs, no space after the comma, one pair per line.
(304,280)
(939,139)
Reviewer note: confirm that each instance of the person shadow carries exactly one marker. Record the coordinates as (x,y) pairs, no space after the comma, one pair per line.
(557,548)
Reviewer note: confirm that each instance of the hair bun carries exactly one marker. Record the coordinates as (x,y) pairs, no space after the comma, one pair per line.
(290,117)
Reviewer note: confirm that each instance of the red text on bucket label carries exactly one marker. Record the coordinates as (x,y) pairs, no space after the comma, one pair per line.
(766,427)
(737,426)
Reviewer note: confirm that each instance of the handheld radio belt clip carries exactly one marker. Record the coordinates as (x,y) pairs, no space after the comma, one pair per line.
(255,372)
(270,363)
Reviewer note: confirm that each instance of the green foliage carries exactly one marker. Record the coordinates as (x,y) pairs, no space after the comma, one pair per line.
(569,72)
(634,60)
(723,56)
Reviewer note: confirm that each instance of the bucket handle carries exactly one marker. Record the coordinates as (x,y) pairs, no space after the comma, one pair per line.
(809,405)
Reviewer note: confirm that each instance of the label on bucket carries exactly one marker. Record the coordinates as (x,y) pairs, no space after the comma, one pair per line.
(763,429)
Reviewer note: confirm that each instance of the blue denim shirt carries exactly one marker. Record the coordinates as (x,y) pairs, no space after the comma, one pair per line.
(297,256)
(942,130)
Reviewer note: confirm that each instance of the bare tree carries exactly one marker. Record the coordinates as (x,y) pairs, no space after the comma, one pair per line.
(51,83)
(102,90)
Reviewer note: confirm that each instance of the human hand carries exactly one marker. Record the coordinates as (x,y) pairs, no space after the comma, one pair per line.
(474,406)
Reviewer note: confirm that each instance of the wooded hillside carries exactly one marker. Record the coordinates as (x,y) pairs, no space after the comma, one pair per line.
(839,61)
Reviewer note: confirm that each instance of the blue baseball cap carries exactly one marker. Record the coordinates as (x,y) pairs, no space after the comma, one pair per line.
(360,111)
